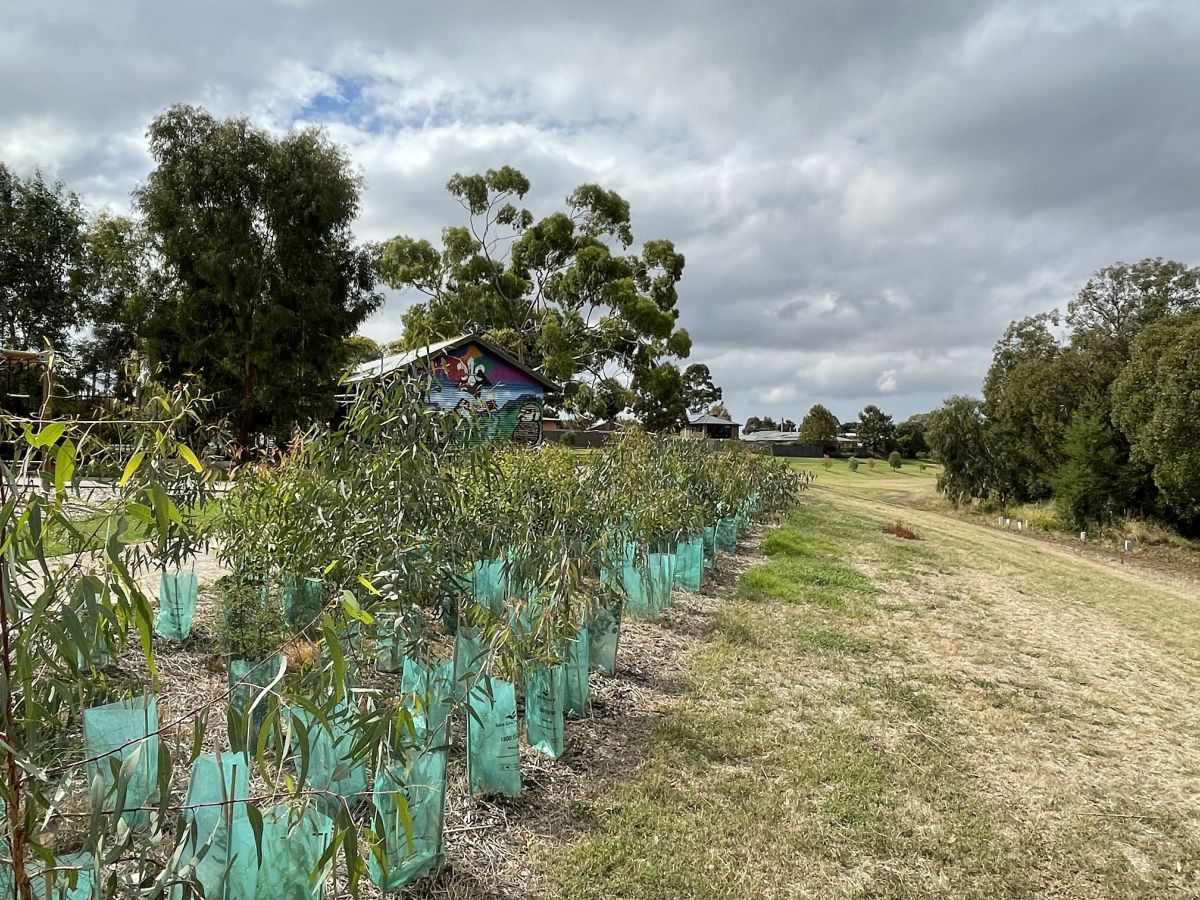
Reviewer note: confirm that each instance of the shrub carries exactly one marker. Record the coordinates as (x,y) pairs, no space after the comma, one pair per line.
(895,460)
(853,464)
(871,462)
(826,462)
(250,619)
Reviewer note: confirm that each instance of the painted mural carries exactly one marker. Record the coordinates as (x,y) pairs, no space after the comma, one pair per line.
(504,402)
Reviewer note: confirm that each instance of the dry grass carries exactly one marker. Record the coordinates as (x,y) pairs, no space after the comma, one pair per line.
(997,717)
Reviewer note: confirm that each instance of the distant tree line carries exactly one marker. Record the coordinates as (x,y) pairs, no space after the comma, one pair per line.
(238,268)
(1097,408)
(877,433)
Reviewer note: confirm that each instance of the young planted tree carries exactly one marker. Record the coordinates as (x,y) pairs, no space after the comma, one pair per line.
(895,460)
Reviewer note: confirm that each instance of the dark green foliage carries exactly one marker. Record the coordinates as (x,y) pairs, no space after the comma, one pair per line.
(875,429)
(819,428)
(757,423)
(264,278)
(910,436)
(251,619)
(118,281)
(1093,485)
(699,390)
(895,460)
(1156,402)
(41,243)
(1092,418)
(958,438)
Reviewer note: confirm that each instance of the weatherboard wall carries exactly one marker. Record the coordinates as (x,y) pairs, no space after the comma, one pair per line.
(503,402)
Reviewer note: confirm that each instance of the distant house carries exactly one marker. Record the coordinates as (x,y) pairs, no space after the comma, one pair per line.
(477,380)
(848,442)
(771,437)
(604,425)
(556,424)
(715,427)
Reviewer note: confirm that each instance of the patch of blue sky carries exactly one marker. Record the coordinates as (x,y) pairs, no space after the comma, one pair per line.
(350,102)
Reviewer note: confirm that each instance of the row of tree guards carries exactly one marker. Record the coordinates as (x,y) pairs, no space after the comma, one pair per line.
(391,582)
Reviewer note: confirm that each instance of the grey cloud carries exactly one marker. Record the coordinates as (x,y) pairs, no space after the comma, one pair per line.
(866,193)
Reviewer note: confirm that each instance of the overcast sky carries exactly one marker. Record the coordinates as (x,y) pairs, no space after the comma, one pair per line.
(866,192)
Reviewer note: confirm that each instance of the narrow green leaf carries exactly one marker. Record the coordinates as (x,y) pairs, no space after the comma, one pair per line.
(190,458)
(131,467)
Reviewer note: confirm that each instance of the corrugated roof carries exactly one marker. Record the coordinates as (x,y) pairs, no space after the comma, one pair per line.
(706,419)
(771,436)
(377,367)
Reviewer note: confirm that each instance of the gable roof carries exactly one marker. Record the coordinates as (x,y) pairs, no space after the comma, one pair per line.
(397,361)
(706,419)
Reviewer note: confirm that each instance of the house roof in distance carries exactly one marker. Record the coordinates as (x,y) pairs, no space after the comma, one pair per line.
(772,436)
(706,419)
(376,367)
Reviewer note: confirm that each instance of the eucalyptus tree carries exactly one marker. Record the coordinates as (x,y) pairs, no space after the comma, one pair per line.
(41,251)
(563,293)
(264,278)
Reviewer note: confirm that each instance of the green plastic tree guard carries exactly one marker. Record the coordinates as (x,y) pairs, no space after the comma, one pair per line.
(470,660)
(575,690)
(710,545)
(124,732)
(422,784)
(689,564)
(633,583)
(727,535)
(177,593)
(303,600)
(293,842)
(249,703)
(661,569)
(489,580)
(544,708)
(433,689)
(394,632)
(224,858)
(493,751)
(604,634)
(331,767)
(56,884)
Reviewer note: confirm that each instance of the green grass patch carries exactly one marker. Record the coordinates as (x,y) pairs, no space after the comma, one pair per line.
(831,640)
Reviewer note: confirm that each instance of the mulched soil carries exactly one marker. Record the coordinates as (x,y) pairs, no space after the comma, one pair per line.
(490,843)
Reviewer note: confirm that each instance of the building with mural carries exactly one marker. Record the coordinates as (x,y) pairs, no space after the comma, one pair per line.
(504,399)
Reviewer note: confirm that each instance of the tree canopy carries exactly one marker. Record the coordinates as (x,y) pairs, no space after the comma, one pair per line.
(263,277)
(1101,417)
(819,427)
(41,242)
(875,429)
(564,294)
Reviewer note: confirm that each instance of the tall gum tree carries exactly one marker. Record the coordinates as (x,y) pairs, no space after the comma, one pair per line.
(265,280)
(562,293)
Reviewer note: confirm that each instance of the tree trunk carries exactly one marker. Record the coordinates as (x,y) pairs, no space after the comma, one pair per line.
(249,381)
